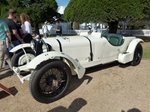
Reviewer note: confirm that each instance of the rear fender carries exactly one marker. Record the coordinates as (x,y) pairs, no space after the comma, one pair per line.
(20,47)
(132,47)
(129,54)
(79,69)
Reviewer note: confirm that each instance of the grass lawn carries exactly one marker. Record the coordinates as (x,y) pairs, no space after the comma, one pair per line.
(146,46)
(146,50)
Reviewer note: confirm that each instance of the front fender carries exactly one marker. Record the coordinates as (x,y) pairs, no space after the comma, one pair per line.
(21,46)
(79,69)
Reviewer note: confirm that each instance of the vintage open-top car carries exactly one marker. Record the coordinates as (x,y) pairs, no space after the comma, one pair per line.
(62,57)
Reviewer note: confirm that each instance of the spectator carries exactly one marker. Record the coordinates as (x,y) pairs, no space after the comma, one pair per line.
(58,29)
(13,29)
(26,27)
(18,26)
(4,31)
(45,30)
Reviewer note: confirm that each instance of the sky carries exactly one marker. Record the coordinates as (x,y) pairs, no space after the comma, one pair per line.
(62,2)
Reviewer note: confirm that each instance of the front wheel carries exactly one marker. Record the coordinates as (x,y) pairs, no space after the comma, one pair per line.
(50,82)
(137,55)
(20,58)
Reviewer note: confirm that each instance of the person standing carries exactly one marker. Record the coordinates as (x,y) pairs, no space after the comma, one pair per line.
(18,26)
(45,30)
(4,56)
(26,27)
(13,29)
(26,24)
(58,29)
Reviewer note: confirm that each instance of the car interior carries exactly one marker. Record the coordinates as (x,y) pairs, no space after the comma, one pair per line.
(114,39)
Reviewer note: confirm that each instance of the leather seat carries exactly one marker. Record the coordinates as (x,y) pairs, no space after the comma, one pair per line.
(114,39)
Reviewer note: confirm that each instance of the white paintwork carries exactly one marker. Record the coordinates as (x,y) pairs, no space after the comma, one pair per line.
(21,46)
(124,57)
(78,48)
(132,46)
(127,56)
(55,55)
(24,67)
(76,51)
(25,58)
(17,72)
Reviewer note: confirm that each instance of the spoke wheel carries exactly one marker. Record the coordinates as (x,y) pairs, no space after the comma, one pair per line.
(50,82)
(53,82)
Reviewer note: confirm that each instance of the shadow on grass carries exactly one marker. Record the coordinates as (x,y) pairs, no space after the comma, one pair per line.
(75,106)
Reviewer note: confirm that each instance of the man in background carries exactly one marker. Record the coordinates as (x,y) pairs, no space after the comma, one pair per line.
(45,30)
(4,56)
(13,28)
(58,29)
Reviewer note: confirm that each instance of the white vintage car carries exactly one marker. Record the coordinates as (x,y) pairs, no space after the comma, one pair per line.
(71,55)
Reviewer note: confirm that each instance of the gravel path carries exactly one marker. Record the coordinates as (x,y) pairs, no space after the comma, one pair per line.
(108,88)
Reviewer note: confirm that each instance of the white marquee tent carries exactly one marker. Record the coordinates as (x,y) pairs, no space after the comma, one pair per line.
(61,9)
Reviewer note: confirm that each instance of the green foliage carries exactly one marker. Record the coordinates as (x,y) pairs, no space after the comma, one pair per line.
(103,10)
(74,10)
(146,9)
(38,10)
(10,4)
(146,53)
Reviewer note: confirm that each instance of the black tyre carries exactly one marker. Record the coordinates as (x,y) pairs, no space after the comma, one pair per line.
(19,58)
(137,55)
(50,82)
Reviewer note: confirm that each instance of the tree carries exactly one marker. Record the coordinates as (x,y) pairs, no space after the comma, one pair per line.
(41,10)
(10,4)
(38,10)
(110,11)
(146,9)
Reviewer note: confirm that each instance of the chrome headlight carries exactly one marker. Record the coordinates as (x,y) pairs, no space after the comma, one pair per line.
(32,44)
(45,48)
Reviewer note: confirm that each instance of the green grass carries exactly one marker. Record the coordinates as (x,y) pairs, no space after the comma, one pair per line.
(146,53)
(146,46)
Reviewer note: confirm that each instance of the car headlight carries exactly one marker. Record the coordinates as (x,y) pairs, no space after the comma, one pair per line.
(44,48)
(32,44)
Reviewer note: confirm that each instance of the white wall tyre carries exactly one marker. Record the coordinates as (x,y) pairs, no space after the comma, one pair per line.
(19,58)
(50,82)
(137,55)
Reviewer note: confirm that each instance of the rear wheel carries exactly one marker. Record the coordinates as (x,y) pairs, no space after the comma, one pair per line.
(50,82)
(137,55)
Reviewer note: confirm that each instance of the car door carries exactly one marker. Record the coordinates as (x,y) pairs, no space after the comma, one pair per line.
(110,53)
